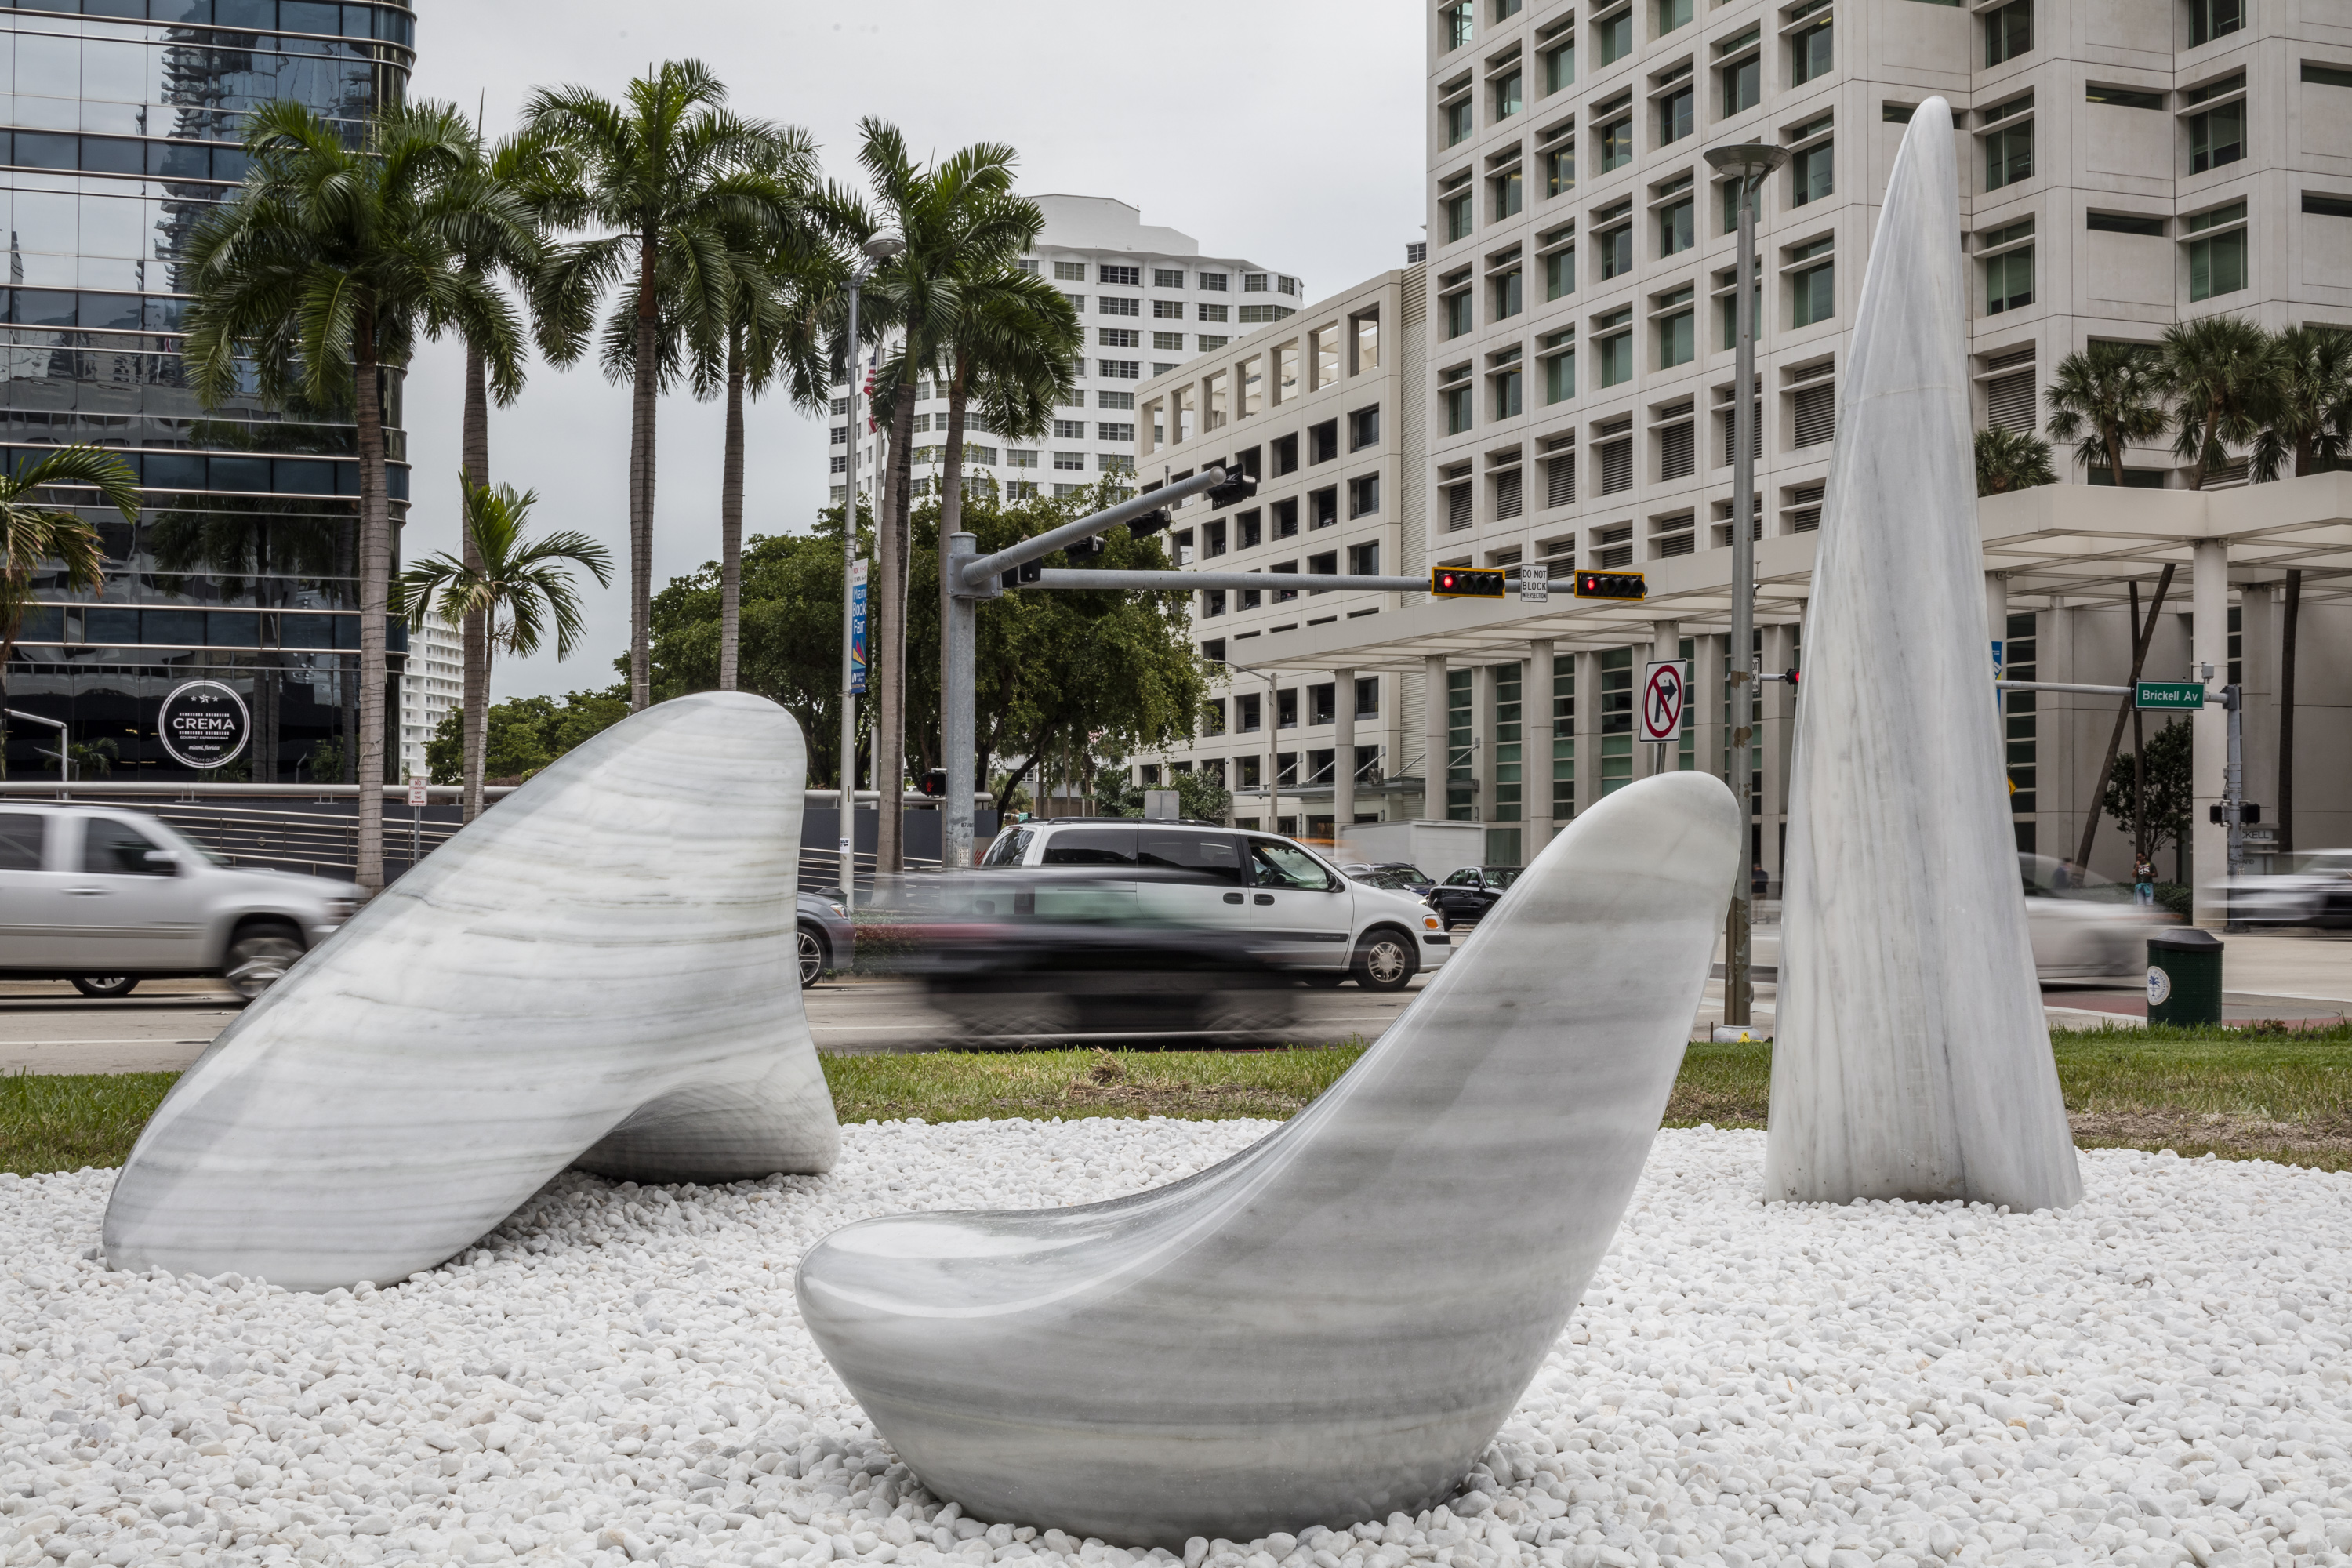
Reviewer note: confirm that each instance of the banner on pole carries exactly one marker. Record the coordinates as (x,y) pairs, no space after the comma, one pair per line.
(857,628)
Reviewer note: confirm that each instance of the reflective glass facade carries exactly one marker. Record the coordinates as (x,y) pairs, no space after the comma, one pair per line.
(122,128)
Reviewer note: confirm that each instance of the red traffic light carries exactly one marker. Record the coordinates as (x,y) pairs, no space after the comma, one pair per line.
(1464,583)
(1611,585)
(1791,677)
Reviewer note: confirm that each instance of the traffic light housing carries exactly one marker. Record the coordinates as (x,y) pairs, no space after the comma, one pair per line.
(1791,677)
(1611,585)
(1150,523)
(1027,572)
(934,783)
(1237,486)
(1465,583)
(1086,549)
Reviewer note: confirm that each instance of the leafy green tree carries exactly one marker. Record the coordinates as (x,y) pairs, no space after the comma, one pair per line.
(516,585)
(664,175)
(1199,797)
(2308,425)
(2168,786)
(2223,373)
(2011,461)
(2104,398)
(525,734)
(321,270)
(35,530)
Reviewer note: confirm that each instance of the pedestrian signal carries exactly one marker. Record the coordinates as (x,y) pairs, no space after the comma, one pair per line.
(934,783)
(1460,582)
(1611,585)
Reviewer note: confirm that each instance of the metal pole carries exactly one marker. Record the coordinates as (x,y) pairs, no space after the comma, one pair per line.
(848,800)
(956,714)
(1738,994)
(2233,787)
(1273,751)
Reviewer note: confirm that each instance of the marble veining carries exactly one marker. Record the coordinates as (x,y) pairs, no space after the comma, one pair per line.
(1912,1057)
(598,972)
(1333,1323)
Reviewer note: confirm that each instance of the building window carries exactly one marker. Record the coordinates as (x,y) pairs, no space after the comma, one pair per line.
(1114,462)
(1677,113)
(1559,350)
(1812,286)
(1613,340)
(1505,287)
(1213,282)
(1119,304)
(1167,277)
(2209,19)
(2009,32)
(1170,340)
(1560,168)
(1510,95)
(1168,309)
(1364,495)
(1322,508)
(1364,428)
(1461,315)
(1811,173)
(2218,136)
(1114,432)
(1015,458)
(1673,14)
(1111,400)
(2009,276)
(1211,312)
(1458,402)
(1069,429)
(1457,215)
(1509,193)
(1616,247)
(1072,461)
(1559,272)
(1742,80)
(1259,314)
(1120,337)
(1506,382)
(1559,67)
(1118,370)
(2317,204)
(1678,226)
(1812,414)
(1070,271)
(1460,23)
(1676,334)
(1809,47)
(1128,277)
(1616,34)
(1615,142)
(2216,261)
(1254,282)
(1461,120)
(2009,154)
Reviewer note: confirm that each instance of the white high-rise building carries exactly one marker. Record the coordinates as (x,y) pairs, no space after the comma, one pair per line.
(431,684)
(1148,300)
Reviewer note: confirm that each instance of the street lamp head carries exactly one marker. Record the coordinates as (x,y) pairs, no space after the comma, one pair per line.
(883,247)
(1748,161)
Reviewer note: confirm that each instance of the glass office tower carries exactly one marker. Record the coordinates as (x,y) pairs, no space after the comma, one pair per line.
(122,128)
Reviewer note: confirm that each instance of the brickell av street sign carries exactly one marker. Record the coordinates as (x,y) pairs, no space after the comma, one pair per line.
(1664,688)
(2169,696)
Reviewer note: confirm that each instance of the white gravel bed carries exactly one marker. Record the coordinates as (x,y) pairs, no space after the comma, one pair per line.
(2158,1376)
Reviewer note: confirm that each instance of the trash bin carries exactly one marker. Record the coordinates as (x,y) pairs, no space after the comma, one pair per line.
(2184,978)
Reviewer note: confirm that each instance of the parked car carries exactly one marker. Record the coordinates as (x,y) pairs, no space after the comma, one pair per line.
(1463,897)
(1397,876)
(827,942)
(106,898)
(2315,889)
(1300,911)
(2083,926)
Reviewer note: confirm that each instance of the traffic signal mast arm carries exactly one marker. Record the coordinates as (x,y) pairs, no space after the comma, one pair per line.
(981,578)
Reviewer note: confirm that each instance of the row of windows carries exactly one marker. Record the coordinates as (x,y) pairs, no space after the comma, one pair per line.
(1132,276)
(165,160)
(252,474)
(317,17)
(108,625)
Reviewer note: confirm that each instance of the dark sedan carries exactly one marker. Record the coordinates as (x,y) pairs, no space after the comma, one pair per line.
(826,941)
(1463,897)
(1397,876)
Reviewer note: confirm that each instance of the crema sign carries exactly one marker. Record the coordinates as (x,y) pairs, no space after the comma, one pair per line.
(204,724)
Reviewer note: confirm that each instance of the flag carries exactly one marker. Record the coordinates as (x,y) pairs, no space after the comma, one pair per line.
(873,368)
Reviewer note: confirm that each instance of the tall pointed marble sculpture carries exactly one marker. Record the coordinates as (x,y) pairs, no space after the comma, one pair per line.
(1331,1324)
(1912,1060)
(598,972)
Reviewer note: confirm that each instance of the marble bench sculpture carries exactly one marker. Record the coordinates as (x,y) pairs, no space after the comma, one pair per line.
(1333,1323)
(1913,1060)
(598,972)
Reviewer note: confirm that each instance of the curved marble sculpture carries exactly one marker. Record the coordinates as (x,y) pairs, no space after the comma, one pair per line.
(1912,1059)
(1333,1323)
(599,972)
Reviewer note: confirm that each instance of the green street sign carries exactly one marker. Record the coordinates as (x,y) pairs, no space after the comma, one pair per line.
(2169,696)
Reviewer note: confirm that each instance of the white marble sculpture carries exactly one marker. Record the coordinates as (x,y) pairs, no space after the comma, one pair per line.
(1332,1324)
(1911,1059)
(598,972)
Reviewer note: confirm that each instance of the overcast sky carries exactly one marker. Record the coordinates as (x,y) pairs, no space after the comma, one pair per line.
(1288,132)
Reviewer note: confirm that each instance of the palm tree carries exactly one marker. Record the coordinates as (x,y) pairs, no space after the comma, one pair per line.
(2309,416)
(2011,459)
(957,219)
(2220,370)
(506,178)
(665,174)
(2104,398)
(516,585)
(321,270)
(33,533)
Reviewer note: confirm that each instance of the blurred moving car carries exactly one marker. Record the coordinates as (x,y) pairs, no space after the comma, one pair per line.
(1463,897)
(106,898)
(2315,889)
(1397,876)
(2083,926)
(826,941)
(1299,911)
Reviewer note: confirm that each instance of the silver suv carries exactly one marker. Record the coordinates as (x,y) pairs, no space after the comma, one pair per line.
(107,897)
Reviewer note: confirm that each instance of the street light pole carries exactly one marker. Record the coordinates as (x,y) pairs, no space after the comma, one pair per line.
(1750,163)
(878,250)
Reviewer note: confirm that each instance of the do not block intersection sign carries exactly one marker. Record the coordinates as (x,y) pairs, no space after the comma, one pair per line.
(1665,689)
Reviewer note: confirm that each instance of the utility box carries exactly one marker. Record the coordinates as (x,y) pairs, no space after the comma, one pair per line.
(2184,978)
(1438,848)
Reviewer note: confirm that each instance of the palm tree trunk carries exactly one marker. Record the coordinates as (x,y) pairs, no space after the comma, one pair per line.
(2286,711)
(890,712)
(644,388)
(475,720)
(2205,445)
(2115,473)
(375,587)
(2141,638)
(730,519)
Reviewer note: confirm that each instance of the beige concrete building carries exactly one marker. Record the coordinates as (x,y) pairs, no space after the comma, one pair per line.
(2126,166)
(1324,407)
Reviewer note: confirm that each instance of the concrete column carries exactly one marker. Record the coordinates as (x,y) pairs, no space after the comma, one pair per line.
(1780,728)
(2209,842)
(1432,766)
(1343,754)
(1482,741)
(1666,642)
(1535,750)
(2065,724)
(1707,672)
(1997,608)
(1587,731)
(2258,654)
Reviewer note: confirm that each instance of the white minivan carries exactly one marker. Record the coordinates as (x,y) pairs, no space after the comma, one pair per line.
(1305,914)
